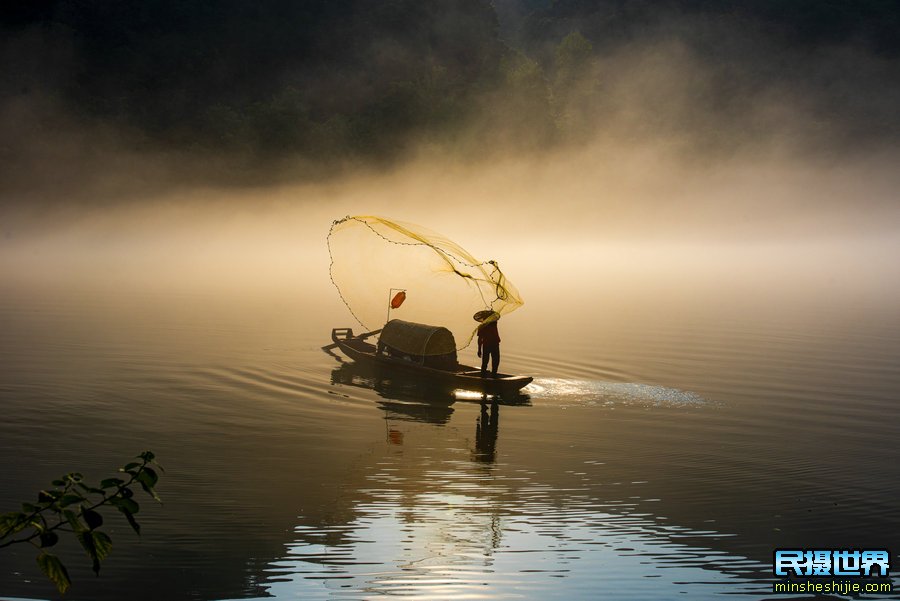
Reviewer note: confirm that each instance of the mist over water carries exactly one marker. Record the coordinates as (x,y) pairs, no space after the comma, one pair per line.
(596,225)
(708,385)
(698,207)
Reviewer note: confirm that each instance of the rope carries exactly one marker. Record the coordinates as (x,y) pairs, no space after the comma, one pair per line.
(331,270)
(495,278)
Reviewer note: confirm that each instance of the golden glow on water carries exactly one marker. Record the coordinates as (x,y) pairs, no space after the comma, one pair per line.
(706,246)
(647,457)
(468,395)
(677,321)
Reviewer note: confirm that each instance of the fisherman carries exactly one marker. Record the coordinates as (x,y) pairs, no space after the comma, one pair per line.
(488,341)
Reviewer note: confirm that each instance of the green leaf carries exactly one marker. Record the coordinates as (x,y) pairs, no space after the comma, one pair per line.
(74,477)
(148,477)
(94,520)
(130,466)
(48,539)
(12,516)
(125,504)
(58,483)
(102,543)
(97,545)
(54,569)
(87,541)
(29,508)
(111,482)
(147,456)
(73,520)
(67,500)
(12,522)
(128,508)
(130,517)
(48,496)
(90,489)
(151,492)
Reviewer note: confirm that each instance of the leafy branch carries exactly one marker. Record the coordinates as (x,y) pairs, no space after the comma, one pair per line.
(72,506)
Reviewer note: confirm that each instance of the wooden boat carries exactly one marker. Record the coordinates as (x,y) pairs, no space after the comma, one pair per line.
(438,369)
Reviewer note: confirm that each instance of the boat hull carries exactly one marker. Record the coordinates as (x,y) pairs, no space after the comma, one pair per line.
(465,377)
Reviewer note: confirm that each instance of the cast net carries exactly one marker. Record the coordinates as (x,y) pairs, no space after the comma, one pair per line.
(373,259)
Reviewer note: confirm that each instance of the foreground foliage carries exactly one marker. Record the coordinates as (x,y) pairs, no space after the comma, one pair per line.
(73,506)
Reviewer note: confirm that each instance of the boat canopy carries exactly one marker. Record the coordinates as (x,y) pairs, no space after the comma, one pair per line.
(432,346)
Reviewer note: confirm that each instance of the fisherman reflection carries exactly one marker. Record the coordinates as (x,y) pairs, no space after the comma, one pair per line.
(486,429)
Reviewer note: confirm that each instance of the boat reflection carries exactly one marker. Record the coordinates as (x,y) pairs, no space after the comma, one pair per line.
(422,400)
(401,399)
(411,399)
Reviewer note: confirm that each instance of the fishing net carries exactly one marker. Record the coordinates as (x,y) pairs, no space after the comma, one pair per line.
(374,259)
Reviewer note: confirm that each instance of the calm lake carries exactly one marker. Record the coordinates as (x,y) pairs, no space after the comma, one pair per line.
(683,424)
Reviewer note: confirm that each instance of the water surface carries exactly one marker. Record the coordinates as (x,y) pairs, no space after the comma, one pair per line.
(672,438)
